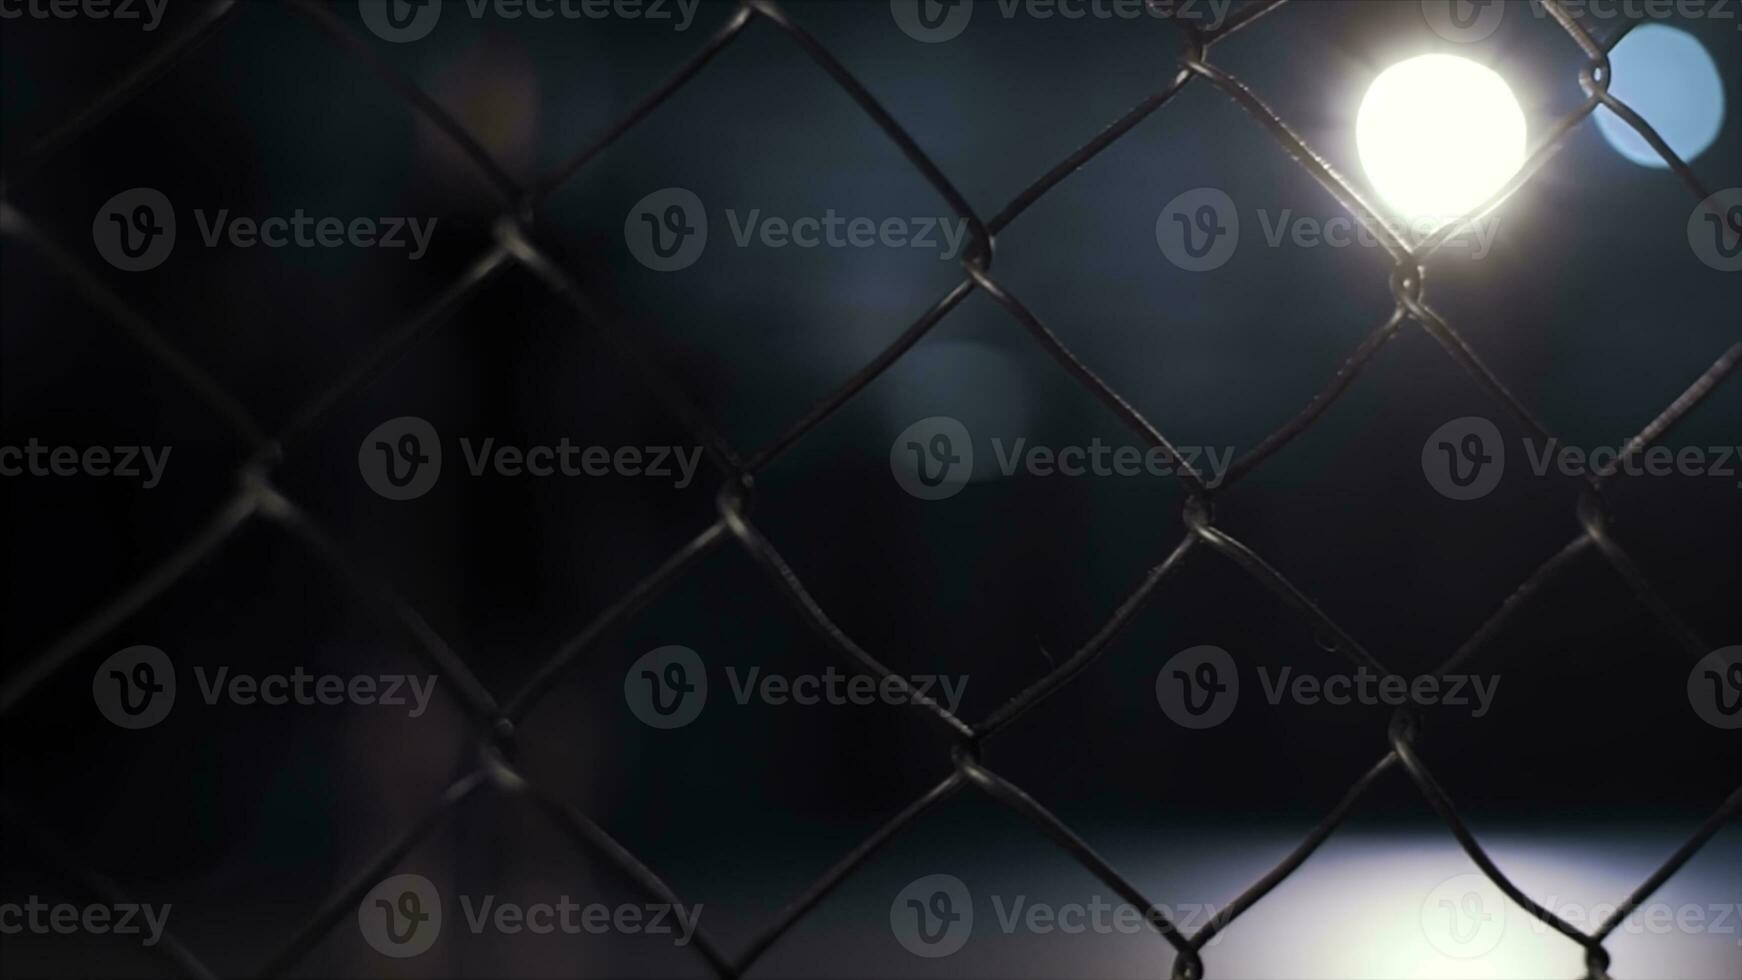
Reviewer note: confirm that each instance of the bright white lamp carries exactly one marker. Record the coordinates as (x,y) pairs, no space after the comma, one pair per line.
(1439,135)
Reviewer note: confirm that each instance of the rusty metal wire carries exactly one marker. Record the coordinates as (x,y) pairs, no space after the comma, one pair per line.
(258,499)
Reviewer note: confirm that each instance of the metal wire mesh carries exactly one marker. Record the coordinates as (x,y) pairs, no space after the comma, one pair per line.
(496,718)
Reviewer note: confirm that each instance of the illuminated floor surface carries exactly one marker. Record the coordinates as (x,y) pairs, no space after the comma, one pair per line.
(1365,906)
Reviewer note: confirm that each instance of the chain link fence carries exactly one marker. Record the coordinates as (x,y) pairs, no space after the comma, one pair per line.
(257,497)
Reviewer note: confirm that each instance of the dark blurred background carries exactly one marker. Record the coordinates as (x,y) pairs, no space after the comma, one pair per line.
(1591,307)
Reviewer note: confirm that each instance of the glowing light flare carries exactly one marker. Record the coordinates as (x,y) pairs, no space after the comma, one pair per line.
(1439,135)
